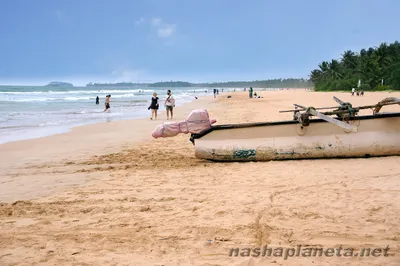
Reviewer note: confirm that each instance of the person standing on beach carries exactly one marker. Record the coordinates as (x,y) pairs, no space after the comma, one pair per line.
(169,104)
(97,100)
(154,106)
(251,92)
(352,91)
(215,92)
(107,102)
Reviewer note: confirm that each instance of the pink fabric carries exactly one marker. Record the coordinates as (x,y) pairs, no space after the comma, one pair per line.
(197,121)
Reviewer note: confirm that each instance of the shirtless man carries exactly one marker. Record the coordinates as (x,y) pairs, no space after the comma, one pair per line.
(107,102)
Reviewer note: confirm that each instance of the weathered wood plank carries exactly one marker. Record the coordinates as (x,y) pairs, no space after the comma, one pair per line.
(333,121)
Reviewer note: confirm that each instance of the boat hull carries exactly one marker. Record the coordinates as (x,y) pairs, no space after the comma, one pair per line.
(376,136)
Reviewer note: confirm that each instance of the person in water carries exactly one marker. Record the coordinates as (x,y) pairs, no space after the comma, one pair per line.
(169,104)
(154,106)
(107,102)
(97,100)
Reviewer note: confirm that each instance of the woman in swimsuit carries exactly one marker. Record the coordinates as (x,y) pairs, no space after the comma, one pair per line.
(154,106)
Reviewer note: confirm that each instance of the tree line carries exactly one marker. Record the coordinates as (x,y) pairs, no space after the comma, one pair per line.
(378,68)
(271,83)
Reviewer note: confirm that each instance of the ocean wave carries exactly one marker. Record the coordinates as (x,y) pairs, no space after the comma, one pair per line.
(28,100)
(128,97)
(53,123)
(17,127)
(21,92)
(73,98)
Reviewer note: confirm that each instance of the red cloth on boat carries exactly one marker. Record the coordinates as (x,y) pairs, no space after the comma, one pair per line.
(197,121)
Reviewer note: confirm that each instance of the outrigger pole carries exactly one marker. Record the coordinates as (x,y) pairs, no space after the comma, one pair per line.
(378,106)
(345,111)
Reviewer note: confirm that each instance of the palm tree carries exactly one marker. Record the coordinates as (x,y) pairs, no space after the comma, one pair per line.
(371,65)
(395,77)
(324,66)
(382,55)
(334,69)
(316,76)
(349,59)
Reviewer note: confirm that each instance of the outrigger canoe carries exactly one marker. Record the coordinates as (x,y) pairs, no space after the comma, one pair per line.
(312,134)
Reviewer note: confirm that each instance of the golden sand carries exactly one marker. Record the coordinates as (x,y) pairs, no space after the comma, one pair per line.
(109,194)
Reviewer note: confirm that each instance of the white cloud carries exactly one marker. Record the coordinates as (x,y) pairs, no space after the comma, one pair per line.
(166,30)
(140,21)
(156,21)
(163,29)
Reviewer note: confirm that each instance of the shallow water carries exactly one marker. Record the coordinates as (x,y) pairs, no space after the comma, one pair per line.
(32,112)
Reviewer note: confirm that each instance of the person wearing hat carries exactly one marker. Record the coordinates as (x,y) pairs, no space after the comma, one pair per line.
(154,106)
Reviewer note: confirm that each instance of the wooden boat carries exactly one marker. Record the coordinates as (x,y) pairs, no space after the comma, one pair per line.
(304,137)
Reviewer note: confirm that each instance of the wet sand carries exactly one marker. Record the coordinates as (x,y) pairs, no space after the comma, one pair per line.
(109,194)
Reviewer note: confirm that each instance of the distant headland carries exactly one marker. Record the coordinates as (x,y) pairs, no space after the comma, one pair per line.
(59,84)
(271,83)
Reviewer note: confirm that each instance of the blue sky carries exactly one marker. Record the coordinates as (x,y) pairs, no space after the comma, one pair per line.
(80,41)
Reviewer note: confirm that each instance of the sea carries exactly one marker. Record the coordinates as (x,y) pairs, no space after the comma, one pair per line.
(28,112)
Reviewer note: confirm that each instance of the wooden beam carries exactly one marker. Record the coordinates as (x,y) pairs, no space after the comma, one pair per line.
(333,121)
(301,106)
(338,101)
(301,109)
(396,101)
(386,101)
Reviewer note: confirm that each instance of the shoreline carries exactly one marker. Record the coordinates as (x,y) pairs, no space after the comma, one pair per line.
(93,127)
(35,132)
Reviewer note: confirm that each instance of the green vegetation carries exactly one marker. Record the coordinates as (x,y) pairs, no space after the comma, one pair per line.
(370,66)
(119,84)
(59,84)
(170,84)
(272,83)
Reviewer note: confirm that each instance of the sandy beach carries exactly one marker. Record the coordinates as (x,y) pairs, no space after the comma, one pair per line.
(110,194)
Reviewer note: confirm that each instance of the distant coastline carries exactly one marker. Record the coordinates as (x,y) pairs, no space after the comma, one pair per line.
(59,84)
(273,83)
